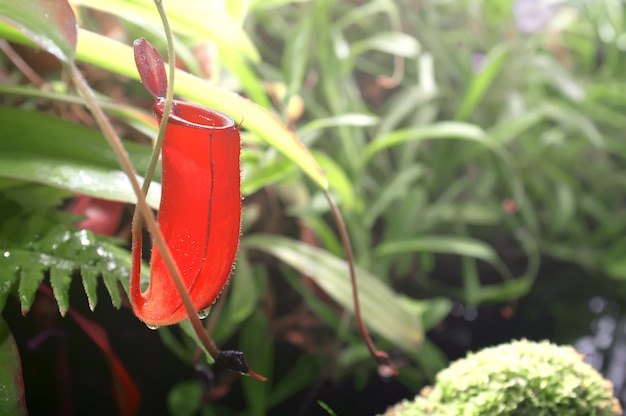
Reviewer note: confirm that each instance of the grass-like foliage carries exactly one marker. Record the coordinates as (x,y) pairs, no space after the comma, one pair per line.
(520,378)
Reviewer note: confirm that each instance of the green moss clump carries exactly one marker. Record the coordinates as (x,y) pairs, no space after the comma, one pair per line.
(522,378)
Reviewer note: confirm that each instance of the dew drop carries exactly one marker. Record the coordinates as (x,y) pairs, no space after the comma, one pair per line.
(204,313)
(153,327)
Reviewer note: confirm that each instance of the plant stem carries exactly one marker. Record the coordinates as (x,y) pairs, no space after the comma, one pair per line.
(156,151)
(171,56)
(203,335)
(380,356)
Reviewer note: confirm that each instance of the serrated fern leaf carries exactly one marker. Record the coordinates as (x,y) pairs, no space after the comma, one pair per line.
(60,279)
(110,281)
(36,239)
(31,274)
(61,250)
(90,275)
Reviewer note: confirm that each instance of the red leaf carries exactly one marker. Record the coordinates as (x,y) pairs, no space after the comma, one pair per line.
(124,389)
(151,68)
(102,216)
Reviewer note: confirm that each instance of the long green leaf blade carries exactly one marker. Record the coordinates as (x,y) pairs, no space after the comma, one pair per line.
(462,246)
(481,82)
(196,19)
(380,306)
(441,130)
(40,148)
(84,179)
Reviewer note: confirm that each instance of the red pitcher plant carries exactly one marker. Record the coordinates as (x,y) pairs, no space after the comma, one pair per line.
(199,212)
(200,209)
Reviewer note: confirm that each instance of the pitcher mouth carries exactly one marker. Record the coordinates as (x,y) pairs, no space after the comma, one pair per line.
(195,116)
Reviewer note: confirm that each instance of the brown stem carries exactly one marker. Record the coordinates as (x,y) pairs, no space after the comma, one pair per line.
(21,64)
(396,77)
(380,356)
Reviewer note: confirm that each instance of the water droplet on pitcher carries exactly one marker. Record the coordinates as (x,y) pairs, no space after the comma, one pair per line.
(153,327)
(204,313)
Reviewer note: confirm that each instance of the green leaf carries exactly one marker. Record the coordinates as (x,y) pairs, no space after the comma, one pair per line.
(76,177)
(32,273)
(339,183)
(8,276)
(110,281)
(271,4)
(446,130)
(242,298)
(50,24)
(300,376)
(462,246)
(471,282)
(251,85)
(397,188)
(12,399)
(379,304)
(41,134)
(325,312)
(60,279)
(295,58)
(441,130)
(481,82)
(576,121)
(185,398)
(198,20)
(266,174)
(137,118)
(353,120)
(255,339)
(44,149)
(616,268)
(182,350)
(90,274)
(62,249)
(432,311)
(512,127)
(189,331)
(393,43)
(326,408)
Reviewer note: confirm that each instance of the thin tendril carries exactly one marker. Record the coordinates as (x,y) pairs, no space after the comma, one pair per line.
(380,356)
